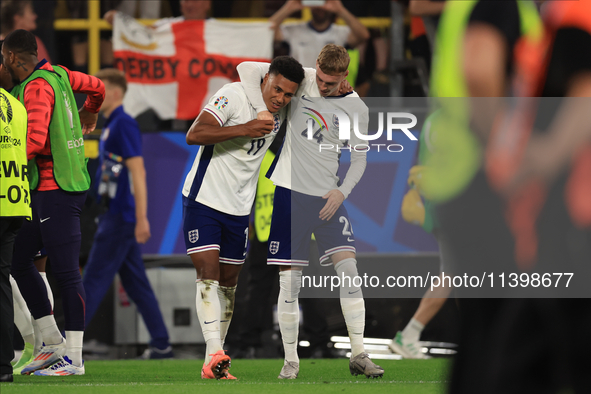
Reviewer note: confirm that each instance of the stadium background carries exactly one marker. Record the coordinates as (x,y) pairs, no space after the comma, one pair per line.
(165,149)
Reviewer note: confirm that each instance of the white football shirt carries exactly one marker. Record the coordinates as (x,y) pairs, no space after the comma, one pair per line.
(310,166)
(305,42)
(224,175)
(301,165)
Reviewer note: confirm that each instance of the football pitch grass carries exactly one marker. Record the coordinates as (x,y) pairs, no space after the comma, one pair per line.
(255,376)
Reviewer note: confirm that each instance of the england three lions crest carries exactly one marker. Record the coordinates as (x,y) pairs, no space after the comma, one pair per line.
(335,121)
(193,236)
(274,247)
(276,123)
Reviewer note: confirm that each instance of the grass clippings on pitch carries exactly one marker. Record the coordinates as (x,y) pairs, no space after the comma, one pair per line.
(255,376)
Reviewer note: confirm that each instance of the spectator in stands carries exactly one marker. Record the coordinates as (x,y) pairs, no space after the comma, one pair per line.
(424,21)
(190,10)
(428,11)
(79,10)
(307,39)
(147,9)
(373,64)
(45,10)
(19,14)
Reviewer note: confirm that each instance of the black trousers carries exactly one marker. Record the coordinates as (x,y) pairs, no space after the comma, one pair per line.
(8,229)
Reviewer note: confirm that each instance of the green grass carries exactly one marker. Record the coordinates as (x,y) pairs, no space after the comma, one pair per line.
(255,376)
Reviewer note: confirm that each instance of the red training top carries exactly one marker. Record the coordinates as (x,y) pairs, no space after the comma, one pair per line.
(39,102)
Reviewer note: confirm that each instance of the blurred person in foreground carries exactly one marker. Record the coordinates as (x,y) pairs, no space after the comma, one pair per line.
(59,181)
(121,181)
(539,160)
(472,68)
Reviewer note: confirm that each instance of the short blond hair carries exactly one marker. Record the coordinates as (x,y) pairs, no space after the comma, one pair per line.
(333,59)
(113,76)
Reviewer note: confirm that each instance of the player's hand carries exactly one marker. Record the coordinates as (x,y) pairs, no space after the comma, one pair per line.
(345,87)
(142,231)
(110,16)
(87,120)
(294,5)
(415,176)
(265,115)
(413,209)
(258,128)
(335,198)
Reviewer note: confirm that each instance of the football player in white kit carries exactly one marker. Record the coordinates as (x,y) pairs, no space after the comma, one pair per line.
(309,196)
(219,192)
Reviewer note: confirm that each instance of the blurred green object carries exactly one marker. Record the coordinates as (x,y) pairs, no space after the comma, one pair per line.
(456,158)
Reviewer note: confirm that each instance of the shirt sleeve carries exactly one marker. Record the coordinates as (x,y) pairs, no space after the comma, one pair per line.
(224,104)
(358,158)
(251,74)
(129,138)
(308,83)
(89,85)
(39,101)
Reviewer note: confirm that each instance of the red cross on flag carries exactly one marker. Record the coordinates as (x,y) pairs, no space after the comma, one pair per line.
(177,65)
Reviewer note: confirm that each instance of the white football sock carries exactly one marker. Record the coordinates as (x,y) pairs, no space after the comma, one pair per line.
(413,330)
(208,307)
(22,316)
(50,334)
(49,292)
(38,337)
(227,296)
(74,340)
(352,303)
(288,312)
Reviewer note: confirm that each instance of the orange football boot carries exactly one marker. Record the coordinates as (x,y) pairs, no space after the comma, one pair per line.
(217,367)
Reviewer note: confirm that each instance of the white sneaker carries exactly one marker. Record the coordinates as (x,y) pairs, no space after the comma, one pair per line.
(290,370)
(48,355)
(407,348)
(63,367)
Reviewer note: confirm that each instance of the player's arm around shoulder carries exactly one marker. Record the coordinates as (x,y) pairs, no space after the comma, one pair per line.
(251,74)
(210,127)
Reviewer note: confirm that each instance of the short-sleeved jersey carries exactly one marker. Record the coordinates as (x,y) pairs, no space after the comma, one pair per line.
(120,140)
(224,175)
(302,165)
(305,42)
